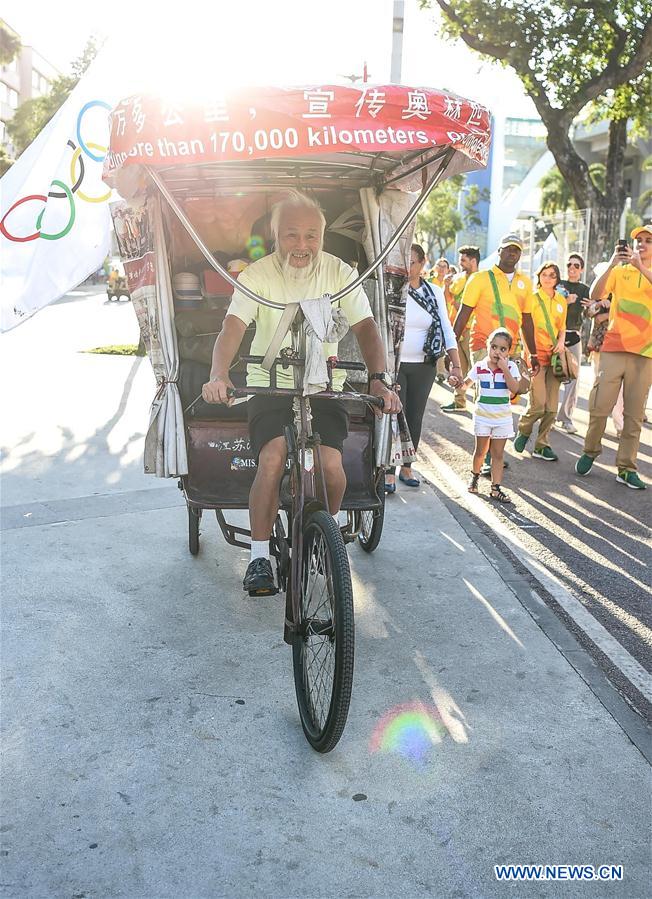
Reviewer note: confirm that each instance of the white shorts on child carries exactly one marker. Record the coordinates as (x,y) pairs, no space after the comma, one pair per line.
(496,432)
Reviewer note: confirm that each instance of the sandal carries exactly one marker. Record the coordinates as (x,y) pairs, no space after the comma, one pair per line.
(499,494)
(473,484)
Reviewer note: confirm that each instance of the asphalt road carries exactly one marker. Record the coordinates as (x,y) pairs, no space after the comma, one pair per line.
(151,743)
(592,533)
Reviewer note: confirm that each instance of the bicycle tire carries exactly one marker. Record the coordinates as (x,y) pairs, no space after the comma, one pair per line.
(323,648)
(194,517)
(371,526)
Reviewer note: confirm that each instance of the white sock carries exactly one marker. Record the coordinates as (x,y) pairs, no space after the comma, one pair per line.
(336,517)
(259,549)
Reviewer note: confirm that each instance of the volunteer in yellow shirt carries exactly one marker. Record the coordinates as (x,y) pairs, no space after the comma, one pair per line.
(469,259)
(625,356)
(439,272)
(499,298)
(549,316)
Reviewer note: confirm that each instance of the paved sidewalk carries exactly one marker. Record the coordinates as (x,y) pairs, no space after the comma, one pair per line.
(152,746)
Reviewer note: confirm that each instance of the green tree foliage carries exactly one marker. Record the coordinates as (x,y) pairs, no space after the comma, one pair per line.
(33,115)
(6,161)
(556,195)
(570,56)
(439,219)
(473,196)
(9,44)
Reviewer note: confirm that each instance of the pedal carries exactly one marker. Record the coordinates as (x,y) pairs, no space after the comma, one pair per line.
(265,591)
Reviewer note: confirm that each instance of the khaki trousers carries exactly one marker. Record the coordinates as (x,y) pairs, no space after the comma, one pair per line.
(634,372)
(465,361)
(541,406)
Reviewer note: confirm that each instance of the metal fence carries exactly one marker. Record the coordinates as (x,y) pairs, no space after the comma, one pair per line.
(553,237)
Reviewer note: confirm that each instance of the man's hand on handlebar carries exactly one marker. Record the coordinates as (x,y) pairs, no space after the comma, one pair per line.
(217,391)
(392,403)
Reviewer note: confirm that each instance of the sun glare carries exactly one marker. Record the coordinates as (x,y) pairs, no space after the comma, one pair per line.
(209,49)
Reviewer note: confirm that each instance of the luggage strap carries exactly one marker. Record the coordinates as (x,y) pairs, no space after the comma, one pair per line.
(285,322)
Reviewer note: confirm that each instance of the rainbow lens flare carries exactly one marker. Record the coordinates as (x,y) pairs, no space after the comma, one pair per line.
(410,730)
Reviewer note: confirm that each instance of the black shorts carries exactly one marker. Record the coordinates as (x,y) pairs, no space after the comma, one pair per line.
(268,416)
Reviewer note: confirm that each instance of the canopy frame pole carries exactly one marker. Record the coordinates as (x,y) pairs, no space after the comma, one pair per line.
(185,221)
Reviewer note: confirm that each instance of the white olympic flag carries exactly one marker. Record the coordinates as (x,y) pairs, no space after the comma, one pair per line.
(54,208)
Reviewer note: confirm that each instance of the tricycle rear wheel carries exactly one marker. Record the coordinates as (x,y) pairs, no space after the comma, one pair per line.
(194,517)
(370,525)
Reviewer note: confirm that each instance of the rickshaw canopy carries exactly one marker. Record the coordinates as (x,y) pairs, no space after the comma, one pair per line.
(383,134)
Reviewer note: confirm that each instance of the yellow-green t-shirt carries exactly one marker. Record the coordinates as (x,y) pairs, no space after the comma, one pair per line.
(515,300)
(456,288)
(266,278)
(629,329)
(556,307)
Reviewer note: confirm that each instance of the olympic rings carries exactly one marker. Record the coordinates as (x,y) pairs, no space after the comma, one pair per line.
(4,231)
(59,195)
(77,155)
(71,220)
(80,140)
(66,193)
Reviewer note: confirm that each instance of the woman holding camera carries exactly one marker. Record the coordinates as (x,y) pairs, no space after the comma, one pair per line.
(625,355)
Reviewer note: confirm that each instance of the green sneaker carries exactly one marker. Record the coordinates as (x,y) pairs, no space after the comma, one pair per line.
(545,453)
(631,479)
(584,464)
(451,407)
(521,442)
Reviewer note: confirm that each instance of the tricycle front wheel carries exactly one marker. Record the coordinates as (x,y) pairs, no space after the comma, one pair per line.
(323,644)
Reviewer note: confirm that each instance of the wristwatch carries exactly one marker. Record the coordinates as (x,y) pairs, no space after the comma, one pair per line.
(383,377)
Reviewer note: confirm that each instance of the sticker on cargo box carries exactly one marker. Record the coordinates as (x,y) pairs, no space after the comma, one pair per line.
(238,463)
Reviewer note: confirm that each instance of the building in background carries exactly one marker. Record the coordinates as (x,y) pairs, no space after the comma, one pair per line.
(591,142)
(518,161)
(29,75)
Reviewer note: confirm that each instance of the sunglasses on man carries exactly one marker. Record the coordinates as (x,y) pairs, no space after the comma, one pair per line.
(573,265)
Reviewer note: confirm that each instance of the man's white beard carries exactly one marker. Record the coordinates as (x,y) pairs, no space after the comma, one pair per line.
(295,275)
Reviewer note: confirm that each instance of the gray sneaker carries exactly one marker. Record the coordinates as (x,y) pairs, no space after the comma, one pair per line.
(568,426)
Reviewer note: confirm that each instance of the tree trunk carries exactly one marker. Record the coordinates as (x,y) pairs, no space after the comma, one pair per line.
(606,208)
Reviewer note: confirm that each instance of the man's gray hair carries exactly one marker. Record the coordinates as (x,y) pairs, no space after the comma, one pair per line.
(294,200)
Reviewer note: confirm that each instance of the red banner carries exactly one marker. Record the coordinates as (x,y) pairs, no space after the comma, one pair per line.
(263,123)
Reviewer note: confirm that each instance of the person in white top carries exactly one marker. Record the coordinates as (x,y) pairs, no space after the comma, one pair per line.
(428,337)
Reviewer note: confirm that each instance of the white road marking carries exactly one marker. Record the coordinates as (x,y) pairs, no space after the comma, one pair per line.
(444,476)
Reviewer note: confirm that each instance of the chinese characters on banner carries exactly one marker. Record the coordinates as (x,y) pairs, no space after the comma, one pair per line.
(272,122)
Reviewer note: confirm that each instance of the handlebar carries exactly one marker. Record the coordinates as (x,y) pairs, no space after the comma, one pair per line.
(238,392)
(284,362)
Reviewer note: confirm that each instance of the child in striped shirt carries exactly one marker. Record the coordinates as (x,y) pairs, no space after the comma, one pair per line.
(496,380)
